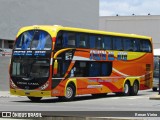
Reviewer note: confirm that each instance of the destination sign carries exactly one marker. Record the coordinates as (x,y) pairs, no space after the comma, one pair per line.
(29,53)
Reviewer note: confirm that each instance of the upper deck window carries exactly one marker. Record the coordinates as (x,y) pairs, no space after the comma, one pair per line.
(117,43)
(65,39)
(82,40)
(128,44)
(69,39)
(34,40)
(107,43)
(145,46)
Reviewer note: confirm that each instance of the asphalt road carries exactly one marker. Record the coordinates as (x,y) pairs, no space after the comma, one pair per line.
(82,106)
(111,102)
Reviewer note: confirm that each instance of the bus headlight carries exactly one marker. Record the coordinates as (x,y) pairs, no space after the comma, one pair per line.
(44,86)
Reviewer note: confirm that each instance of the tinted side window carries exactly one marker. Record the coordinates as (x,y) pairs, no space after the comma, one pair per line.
(106,68)
(59,40)
(98,42)
(145,46)
(82,40)
(128,44)
(62,68)
(92,40)
(117,43)
(65,39)
(80,69)
(107,43)
(71,40)
(94,69)
(136,45)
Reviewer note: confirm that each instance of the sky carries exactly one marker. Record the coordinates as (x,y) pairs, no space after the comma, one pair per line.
(129,7)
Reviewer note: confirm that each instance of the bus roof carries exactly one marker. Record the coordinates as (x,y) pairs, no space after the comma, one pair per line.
(59,27)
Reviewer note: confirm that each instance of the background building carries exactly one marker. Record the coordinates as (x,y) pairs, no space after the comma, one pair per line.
(148,25)
(15,14)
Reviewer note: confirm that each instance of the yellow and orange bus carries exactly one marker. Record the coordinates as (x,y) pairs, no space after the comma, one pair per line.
(59,61)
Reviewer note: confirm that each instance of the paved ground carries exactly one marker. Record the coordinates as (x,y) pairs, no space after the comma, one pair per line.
(109,106)
(141,102)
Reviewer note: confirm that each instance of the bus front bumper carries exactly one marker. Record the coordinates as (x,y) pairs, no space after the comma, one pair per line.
(33,93)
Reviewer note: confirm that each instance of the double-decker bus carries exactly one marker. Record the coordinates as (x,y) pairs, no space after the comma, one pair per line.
(59,61)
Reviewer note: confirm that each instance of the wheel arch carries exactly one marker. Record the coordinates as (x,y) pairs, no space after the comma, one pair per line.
(131,80)
(125,81)
(72,82)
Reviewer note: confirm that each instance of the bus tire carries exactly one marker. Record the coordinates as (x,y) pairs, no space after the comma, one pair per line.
(69,93)
(135,88)
(126,90)
(35,99)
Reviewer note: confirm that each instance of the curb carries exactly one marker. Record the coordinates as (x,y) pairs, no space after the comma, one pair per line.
(157,97)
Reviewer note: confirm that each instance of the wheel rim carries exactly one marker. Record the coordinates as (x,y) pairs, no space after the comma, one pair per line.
(126,88)
(69,92)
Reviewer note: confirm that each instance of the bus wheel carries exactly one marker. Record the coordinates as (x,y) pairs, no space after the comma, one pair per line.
(126,91)
(135,88)
(35,99)
(69,93)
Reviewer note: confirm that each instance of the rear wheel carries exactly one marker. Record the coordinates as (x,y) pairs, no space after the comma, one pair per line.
(126,91)
(35,99)
(135,88)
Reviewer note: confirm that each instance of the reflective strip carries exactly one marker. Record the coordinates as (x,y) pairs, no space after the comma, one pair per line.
(94,86)
(51,61)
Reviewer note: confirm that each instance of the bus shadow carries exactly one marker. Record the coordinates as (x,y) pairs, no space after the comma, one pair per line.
(77,98)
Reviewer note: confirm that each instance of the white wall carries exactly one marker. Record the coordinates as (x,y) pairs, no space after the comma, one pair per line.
(17,13)
(142,25)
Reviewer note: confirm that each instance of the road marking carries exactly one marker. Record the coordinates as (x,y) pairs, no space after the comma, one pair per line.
(135,97)
(116,98)
(127,97)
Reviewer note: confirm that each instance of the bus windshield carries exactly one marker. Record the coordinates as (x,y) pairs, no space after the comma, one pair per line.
(30,68)
(34,40)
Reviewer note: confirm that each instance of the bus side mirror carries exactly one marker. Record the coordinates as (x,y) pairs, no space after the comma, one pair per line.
(55,67)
